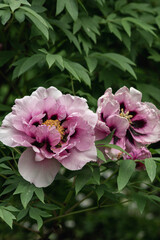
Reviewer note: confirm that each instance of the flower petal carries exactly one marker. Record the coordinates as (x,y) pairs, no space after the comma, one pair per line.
(77,159)
(42,93)
(42,173)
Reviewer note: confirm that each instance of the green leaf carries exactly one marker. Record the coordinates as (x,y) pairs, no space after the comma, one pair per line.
(36,15)
(113,29)
(141,201)
(7,216)
(96,174)
(14,4)
(20,15)
(26,192)
(29,63)
(22,214)
(126,26)
(91,63)
(5,16)
(157,19)
(105,140)
(40,193)
(99,191)
(52,58)
(34,214)
(3,5)
(100,155)
(82,179)
(72,8)
(42,28)
(151,166)
(126,169)
(60,6)
(8,189)
(78,71)
(7,158)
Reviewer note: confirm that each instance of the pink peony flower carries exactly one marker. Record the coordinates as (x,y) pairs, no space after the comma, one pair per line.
(55,128)
(139,154)
(136,123)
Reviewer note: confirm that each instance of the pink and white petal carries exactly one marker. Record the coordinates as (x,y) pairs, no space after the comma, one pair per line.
(135,94)
(110,107)
(119,123)
(77,159)
(90,117)
(13,138)
(101,130)
(25,107)
(42,93)
(73,104)
(107,95)
(42,173)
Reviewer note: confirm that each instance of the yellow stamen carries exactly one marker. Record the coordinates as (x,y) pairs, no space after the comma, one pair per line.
(126,115)
(50,123)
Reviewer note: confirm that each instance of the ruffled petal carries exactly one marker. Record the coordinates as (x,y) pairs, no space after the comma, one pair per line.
(42,93)
(42,173)
(77,159)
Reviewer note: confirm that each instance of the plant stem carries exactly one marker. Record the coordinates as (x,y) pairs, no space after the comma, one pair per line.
(29,229)
(82,211)
(76,204)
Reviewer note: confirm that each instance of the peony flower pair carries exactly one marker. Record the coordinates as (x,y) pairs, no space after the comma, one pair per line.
(60,129)
(136,123)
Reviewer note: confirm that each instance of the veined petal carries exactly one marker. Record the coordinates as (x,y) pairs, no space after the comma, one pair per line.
(42,173)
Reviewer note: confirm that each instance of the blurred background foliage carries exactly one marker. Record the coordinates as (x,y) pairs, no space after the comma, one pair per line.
(81,47)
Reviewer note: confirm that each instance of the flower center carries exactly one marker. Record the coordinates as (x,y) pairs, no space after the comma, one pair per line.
(126,115)
(50,123)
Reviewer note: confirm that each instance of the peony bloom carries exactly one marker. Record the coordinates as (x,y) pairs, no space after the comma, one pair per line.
(55,128)
(139,154)
(136,123)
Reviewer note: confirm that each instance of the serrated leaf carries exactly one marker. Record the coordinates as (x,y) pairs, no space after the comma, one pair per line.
(151,166)
(126,169)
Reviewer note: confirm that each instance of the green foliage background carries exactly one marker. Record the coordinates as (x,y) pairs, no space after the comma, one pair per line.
(81,47)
